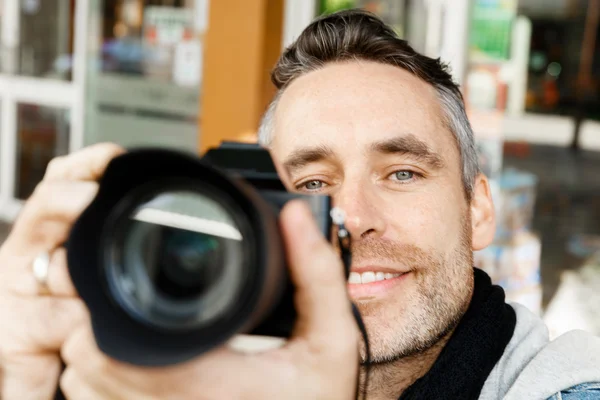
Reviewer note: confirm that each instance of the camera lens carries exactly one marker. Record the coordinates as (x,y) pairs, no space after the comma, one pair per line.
(180,264)
(177,254)
(189,263)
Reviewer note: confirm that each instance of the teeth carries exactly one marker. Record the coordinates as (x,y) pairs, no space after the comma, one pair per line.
(368,277)
(354,278)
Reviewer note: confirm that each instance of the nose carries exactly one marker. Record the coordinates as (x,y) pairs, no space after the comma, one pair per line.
(364,215)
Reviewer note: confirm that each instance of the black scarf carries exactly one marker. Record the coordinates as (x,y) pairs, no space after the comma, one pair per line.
(473,349)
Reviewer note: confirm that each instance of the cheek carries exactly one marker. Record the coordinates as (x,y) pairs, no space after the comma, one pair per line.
(428,220)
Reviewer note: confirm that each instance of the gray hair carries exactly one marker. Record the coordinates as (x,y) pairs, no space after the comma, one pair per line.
(359,35)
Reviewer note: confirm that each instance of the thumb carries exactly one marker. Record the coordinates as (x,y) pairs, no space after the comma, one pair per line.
(324,309)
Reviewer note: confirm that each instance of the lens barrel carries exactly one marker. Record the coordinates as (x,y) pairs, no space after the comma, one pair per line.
(174,257)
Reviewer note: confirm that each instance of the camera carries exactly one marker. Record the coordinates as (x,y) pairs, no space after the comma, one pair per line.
(179,253)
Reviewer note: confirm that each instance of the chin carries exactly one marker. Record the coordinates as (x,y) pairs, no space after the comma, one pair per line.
(389,327)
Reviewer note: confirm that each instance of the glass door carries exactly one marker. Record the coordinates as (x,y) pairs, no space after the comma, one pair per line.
(42,69)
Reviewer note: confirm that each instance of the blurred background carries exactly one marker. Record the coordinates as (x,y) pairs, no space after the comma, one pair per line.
(187,74)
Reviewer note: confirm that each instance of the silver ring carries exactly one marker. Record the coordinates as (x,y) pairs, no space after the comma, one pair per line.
(41,267)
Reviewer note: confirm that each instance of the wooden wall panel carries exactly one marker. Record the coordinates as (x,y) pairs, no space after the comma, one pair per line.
(242,44)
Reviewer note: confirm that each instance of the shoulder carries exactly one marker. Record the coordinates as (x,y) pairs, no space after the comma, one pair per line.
(566,366)
(584,391)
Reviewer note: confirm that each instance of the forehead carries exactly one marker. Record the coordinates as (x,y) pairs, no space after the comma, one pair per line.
(357,103)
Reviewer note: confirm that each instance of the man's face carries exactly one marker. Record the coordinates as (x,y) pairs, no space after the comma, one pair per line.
(372,136)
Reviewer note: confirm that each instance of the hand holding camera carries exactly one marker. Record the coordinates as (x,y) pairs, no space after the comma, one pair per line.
(319,362)
(39,306)
(174,334)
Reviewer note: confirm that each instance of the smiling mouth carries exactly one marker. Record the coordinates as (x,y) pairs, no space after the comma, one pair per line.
(356,278)
(373,284)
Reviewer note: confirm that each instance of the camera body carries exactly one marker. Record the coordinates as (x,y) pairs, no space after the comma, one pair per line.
(177,254)
(255,166)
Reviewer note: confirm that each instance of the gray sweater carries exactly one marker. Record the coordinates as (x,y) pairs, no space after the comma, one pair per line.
(533,367)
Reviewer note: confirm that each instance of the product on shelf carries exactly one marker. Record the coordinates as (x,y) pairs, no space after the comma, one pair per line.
(514,264)
(516,203)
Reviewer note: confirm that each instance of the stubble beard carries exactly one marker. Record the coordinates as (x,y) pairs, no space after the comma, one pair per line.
(443,292)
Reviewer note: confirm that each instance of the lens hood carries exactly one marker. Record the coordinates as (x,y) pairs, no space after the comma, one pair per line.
(94,245)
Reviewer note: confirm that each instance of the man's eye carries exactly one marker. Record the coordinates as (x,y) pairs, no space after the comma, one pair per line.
(403,175)
(313,185)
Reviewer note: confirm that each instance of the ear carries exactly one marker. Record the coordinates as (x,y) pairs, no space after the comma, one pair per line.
(483,215)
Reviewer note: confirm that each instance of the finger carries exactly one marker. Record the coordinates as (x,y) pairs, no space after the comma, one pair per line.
(215,369)
(21,281)
(87,164)
(74,387)
(50,320)
(59,280)
(46,219)
(32,338)
(30,377)
(324,310)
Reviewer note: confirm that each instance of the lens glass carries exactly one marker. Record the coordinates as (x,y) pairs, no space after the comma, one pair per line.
(181,263)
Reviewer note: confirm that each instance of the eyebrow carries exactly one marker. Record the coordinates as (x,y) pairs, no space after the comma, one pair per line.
(408,145)
(307,155)
(412,146)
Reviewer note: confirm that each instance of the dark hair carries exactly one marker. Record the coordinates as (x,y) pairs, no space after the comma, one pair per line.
(359,35)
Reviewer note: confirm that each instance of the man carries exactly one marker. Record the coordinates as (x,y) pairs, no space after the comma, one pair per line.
(362,117)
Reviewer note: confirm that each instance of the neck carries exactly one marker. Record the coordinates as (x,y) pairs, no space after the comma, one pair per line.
(387,381)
